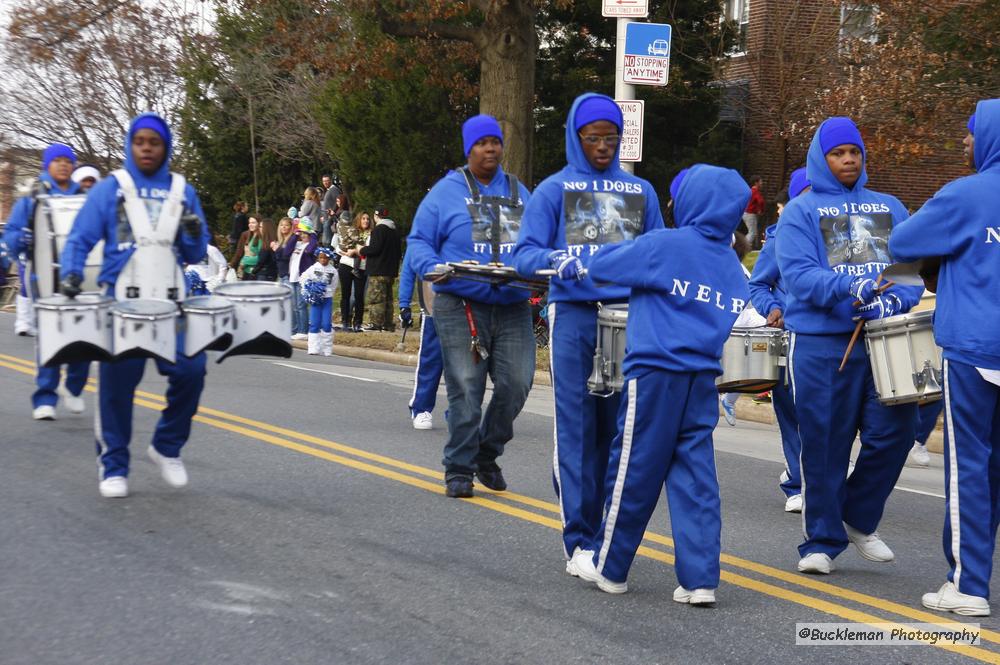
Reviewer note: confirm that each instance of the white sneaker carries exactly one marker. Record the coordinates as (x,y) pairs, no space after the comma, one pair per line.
(572,564)
(171,468)
(950,599)
(44,412)
(870,546)
(423,420)
(793,504)
(919,455)
(728,410)
(585,570)
(74,403)
(115,487)
(694,596)
(817,562)
(300,336)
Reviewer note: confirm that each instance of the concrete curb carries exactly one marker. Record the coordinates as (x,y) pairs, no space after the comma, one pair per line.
(746,408)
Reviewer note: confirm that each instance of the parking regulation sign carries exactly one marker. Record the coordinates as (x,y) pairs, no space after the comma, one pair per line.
(627,8)
(647,54)
(631,145)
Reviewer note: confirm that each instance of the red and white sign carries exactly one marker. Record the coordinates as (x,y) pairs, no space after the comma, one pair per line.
(631,142)
(625,8)
(645,70)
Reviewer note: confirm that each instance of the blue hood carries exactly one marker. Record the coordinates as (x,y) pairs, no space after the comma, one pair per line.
(987,146)
(819,174)
(712,200)
(574,151)
(164,171)
(56,190)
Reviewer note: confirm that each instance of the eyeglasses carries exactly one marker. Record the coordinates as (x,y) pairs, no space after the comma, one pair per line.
(593,139)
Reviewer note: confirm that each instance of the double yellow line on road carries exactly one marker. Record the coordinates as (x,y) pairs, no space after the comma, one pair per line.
(416,476)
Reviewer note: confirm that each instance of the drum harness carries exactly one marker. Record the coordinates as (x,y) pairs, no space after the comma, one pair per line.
(478,351)
(153,243)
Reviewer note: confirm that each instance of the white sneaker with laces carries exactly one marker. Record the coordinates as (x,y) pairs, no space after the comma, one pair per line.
(585,570)
(423,420)
(870,546)
(793,504)
(573,564)
(817,562)
(115,487)
(171,468)
(300,336)
(44,412)
(728,410)
(694,596)
(950,599)
(74,403)
(919,455)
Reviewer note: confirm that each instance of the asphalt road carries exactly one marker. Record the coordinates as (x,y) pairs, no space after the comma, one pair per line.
(315,530)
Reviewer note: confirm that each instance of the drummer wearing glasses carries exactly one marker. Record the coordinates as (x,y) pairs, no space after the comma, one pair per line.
(141,261)
(590,203)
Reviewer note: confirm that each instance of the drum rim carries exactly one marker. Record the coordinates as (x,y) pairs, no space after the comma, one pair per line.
(225,306)
(68,304)
(231,291)
(757,331)
(901,321)
(169,310)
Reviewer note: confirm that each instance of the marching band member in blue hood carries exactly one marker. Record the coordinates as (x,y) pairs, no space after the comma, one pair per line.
(687,289)
(767,294)
(55,180)
(144,189)
(831,244)
(960,225)
(475,213)
(589,203)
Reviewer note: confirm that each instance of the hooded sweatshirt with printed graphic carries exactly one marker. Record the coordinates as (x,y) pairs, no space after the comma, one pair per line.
(687,285)
(99,217)
(827,238)
(961,224)
(443,230)
(580,209)
(20,214)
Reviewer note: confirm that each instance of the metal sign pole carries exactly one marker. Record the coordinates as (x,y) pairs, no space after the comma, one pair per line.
(622,90)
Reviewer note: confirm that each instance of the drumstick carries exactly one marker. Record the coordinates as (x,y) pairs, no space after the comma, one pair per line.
(861,323)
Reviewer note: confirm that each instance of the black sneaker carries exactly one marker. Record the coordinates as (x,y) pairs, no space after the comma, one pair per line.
(458,487)
(492,479)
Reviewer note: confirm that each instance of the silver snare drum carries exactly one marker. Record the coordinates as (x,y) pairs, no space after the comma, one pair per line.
(607,376)
(145,329)
(73,329)
(263,318)
(751,359)
(209,324)
(906,362)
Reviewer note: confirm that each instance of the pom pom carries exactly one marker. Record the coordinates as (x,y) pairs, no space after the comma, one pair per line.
(195,284)
(314,291)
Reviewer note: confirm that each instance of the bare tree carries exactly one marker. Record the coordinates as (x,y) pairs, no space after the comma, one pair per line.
(76,71)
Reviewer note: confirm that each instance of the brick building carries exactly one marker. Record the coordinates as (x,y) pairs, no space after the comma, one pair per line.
(778,68)
(15,176)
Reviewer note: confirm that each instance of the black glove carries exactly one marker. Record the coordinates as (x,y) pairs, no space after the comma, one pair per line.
(191,224)
(70,286)
(406,317)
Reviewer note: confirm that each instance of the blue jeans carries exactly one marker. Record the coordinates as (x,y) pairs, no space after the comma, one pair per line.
(300,310)
(477,439)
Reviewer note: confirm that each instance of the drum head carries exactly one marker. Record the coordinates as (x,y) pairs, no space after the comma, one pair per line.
(206,304)
(145,308)
(82,301)
(238,290)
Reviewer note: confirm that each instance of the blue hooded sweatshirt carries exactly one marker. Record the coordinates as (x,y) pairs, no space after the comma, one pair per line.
(766,290)
(99,218)
(961,225)
(407,278)
(20,215)
(443,231)
(828,237)
(688,286)
(580,209)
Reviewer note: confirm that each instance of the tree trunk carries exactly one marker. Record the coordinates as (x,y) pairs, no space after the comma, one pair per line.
(508,46)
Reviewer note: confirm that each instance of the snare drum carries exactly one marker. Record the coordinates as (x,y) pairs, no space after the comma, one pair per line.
(209,322)
(751,359)
(906,362)
(145,329)
(263,318)
(73,329)
(609,356)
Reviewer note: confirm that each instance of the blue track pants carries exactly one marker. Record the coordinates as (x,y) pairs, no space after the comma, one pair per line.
(427,376)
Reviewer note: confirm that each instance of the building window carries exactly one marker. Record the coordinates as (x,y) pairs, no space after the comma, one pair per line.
(857,22)
(738,12)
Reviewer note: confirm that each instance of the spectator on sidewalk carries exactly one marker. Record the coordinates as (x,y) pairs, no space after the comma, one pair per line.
(383,254)
(353,236)
(240,224)
(301,253)
(755,209)
(330,208)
